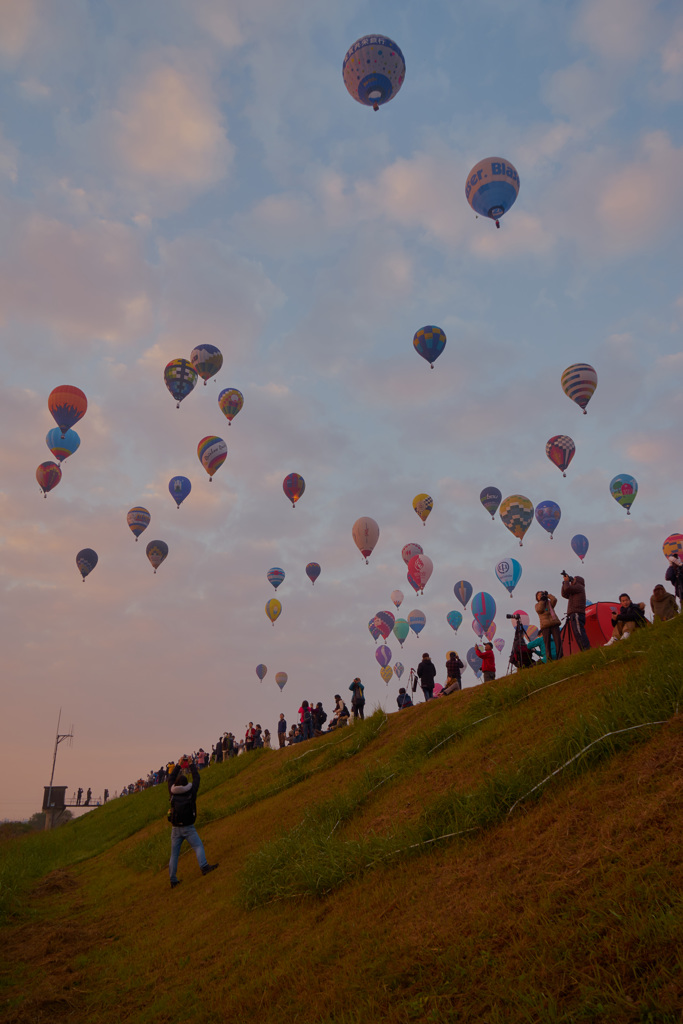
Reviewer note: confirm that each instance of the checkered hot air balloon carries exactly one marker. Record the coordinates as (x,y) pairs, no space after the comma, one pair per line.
(180,379)
(579,381)
(517,513)
(429,342)
(560,450)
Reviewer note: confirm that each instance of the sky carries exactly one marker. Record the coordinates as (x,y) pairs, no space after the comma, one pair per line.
(178,172)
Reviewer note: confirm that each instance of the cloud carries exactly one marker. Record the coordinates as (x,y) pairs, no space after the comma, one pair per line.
(618,30)
(88,282)
(17,23)
(582,95)
(168,129)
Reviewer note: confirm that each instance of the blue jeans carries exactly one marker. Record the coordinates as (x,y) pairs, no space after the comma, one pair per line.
(178,833)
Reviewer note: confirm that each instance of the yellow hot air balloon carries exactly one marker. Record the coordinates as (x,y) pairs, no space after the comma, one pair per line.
(423,505)
(273,609)
(386,673)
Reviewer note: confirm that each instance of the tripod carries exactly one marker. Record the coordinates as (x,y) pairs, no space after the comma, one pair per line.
(521,653)
(568,632)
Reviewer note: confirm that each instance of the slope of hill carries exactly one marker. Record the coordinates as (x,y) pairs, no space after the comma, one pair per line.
(511,853)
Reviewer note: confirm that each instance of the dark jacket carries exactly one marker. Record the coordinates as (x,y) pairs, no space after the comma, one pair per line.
(426,671)
(453,668)
(404,700)
(183,798)
(674,575)
(575,591)
(632,613)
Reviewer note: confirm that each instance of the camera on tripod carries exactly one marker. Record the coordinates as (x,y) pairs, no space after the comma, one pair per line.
(512,617)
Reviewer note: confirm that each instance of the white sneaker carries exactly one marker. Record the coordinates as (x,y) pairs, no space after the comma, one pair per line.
(625,636)
(612,640)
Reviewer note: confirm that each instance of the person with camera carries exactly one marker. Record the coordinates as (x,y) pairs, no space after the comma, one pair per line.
(549,624)
(629,617)
(454,667)
(182,816)
(574,589)
(426,673)
(488,661)
(674,574)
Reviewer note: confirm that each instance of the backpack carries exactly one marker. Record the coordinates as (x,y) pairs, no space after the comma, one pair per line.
(183,809)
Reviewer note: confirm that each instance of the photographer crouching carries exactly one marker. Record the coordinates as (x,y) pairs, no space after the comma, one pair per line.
(574,589)
(548,622)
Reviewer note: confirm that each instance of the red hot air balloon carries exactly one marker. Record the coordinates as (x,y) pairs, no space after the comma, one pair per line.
(560,450)
(294,486)
(68,405)
(48,476)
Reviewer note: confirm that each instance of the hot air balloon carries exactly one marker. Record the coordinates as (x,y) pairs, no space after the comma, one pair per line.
(180,379)
(410,550)
(413,582)
(401,630)
(293,486)
(206,361)
(62,446)
(421,568)
(423,505)
(560,450)
(67,406)
(365,533)
(477,627)
(454,620)
(261,671)
(429,342)
(281,678)
(483,609)
(463,592)
(417,621)
(624,489)
(673,545)
(499,644)
(531,632)
(179,487)
(548,516)
(492,187)
(579,381)
(138,520)
(397,597)
(48,476)
(212,452)
(490,632)
(474,661)
(580,545)
(373,70)
(386,673)
(275,576)
(313,570)
(374,632)
(230,402)
(384,621)
(273,609)
(398,669)
(86,560)
(156,551)
(490,498)
(517,513)
(383,655)
(509,572)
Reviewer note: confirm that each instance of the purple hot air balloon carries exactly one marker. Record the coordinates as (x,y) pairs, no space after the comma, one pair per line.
(383,655)
(313,571)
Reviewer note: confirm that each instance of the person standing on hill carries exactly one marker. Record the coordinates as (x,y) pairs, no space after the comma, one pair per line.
(358,698)
(182,816)
(426,672)
(548,622)
(488,661)
(674,575)
(282,730)
(574,589)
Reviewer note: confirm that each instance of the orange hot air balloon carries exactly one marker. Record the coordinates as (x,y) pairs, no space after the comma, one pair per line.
(67,405)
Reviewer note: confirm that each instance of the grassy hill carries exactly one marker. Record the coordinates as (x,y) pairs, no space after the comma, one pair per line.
(511,853)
